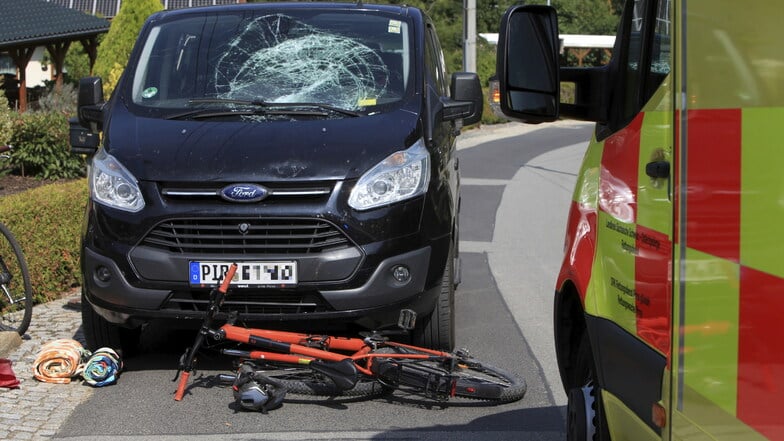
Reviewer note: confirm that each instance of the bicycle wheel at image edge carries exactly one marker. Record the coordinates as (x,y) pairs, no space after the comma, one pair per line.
(16,292)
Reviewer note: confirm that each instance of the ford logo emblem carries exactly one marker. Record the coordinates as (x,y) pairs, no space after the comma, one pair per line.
(244,193)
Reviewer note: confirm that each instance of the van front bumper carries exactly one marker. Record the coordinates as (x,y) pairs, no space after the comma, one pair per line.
(374,304)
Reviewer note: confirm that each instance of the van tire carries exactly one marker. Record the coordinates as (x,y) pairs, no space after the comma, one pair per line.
(100,333)
(585,417)
(437,331)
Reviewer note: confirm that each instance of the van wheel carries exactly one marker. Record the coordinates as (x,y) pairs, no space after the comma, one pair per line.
(437,331)
(99,332)
(585,419)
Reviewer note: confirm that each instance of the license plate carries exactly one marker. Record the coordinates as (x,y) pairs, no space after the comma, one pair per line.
(249,274)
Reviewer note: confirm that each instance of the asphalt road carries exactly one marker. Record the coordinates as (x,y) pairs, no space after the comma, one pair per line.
(517,183)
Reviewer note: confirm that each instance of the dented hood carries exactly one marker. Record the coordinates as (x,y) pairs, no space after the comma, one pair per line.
(234,151)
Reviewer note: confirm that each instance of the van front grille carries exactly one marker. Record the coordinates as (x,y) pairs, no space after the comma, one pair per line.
(267,301)
(222,236)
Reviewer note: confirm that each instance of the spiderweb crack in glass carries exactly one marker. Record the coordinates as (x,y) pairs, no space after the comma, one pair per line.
(277,59)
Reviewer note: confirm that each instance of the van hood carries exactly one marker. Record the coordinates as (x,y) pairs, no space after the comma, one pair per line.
(232,151)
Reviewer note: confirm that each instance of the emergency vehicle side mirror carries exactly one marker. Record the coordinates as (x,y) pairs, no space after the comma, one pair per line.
(527,64)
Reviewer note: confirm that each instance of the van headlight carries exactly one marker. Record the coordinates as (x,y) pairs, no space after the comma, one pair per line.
(113,185)
(402,175)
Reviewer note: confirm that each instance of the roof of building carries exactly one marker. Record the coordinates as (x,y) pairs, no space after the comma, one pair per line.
(38,22)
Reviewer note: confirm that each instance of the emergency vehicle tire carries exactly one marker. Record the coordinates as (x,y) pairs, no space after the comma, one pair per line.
(585,420)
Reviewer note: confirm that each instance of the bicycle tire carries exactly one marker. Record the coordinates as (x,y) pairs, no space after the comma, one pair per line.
(304,381)
(16,293)
(473,379)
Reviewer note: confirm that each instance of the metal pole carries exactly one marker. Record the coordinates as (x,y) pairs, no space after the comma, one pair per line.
(469,35)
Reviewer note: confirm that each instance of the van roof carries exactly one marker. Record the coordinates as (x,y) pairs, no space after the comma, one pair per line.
(403,10)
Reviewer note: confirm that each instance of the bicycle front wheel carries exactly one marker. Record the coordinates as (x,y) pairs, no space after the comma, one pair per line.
(458,376)
(16,292)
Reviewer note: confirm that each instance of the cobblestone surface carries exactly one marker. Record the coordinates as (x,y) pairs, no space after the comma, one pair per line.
(36,410)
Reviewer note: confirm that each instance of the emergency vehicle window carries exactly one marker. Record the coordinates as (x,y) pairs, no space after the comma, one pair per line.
(634,53)
(659,66)
(645,55)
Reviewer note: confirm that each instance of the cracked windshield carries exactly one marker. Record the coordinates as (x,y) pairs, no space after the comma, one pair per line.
(332,62)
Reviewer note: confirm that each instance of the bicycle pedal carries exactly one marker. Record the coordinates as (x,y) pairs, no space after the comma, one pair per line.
(407,319)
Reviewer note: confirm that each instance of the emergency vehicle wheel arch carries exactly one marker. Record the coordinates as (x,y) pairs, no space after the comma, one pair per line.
(569,327)
(585,413)
(636,368)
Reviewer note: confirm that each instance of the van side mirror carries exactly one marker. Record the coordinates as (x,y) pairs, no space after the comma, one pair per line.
(527,63)
(465,88)
(90,103)
(83,130)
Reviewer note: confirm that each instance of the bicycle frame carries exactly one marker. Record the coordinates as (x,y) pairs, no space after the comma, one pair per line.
(344,361)
(297,348)
(289,347)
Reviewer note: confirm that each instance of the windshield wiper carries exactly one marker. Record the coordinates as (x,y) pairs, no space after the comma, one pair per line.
(267,108)
(206,112)
(323,106)
(212,113)
(268,104)
(257,103)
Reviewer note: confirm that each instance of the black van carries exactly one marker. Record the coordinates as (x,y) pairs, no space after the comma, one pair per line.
(311,143)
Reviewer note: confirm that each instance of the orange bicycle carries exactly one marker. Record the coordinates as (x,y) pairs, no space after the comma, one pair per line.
(281,362)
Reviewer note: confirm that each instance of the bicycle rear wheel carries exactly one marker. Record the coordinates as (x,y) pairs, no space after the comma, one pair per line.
(460,377)
(16,292)
(305,381)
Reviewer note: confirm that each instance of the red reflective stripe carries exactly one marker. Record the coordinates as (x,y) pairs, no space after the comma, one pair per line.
(580,247)
(653,288)
(713,180)
(761,352)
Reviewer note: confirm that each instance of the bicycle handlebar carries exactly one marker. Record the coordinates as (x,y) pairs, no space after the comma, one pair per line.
(188,358)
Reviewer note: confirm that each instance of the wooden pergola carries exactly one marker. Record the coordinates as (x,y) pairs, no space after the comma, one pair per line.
(26,25)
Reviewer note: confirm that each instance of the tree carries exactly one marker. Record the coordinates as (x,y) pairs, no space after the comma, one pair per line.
(592,17)
(76,63)
(115,49)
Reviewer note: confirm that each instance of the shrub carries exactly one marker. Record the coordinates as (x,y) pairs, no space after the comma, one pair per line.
(41,148)
(47,223)
(62,101)
(6,120)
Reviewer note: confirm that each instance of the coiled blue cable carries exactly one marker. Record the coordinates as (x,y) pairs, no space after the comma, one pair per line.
(102,368)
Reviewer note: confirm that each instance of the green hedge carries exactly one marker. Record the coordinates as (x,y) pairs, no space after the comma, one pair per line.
(41,147)
(47,223)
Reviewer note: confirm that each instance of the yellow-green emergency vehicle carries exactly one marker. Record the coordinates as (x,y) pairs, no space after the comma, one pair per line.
(669,306)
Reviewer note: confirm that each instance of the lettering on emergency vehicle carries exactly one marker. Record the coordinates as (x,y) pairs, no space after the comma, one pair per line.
(629,298)
(629,248)
(641,238)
